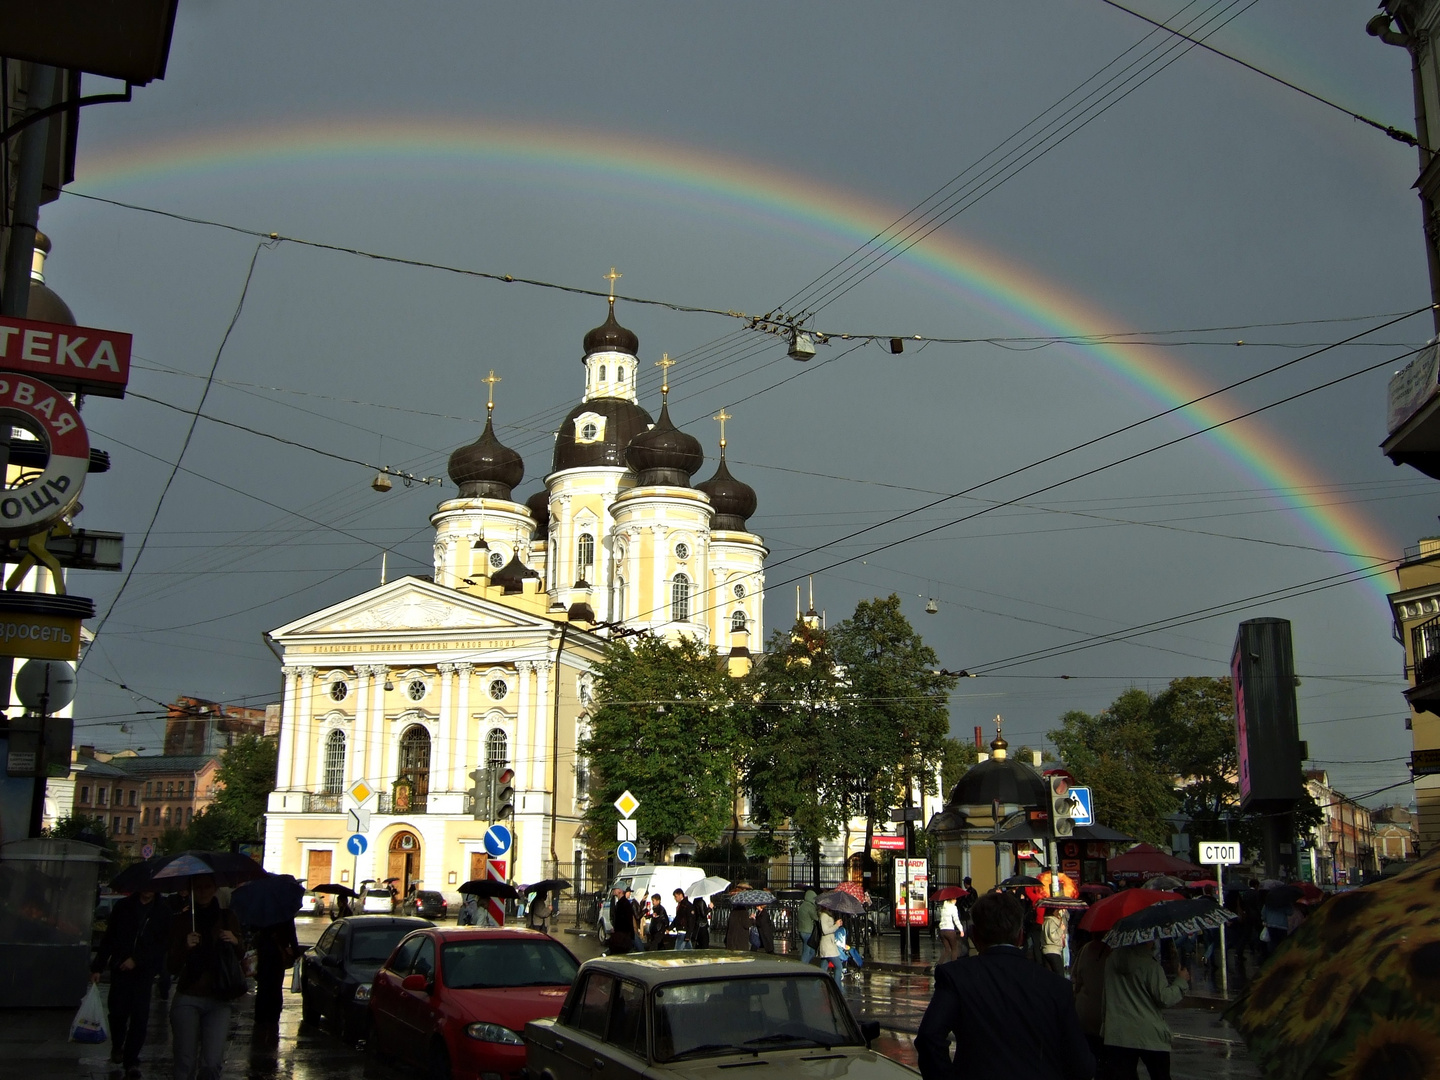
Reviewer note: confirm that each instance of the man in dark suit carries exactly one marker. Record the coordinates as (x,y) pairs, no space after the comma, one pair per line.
(1011,1017)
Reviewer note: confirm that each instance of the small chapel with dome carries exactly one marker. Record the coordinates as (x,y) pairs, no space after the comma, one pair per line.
(393,698)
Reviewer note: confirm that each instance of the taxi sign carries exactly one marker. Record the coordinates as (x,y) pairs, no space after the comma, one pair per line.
(627,804)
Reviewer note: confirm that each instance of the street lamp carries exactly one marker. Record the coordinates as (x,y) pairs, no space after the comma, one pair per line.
(1334,867)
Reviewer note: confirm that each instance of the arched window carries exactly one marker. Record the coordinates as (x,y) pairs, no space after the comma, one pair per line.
(334,780)
(737,623)
(680,599)
(497,748)
(415,760)
(602,372)
(585,557)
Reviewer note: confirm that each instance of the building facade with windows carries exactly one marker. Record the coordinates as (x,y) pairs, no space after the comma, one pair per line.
(415,685)
(109,793)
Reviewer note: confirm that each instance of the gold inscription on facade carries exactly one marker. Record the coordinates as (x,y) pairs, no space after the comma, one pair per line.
(401,646)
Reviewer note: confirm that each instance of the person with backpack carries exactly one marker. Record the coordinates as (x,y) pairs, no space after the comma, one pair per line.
(133,948)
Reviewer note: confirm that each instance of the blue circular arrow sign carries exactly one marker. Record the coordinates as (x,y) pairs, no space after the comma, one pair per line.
(497,841)
(626,852)
(356,845)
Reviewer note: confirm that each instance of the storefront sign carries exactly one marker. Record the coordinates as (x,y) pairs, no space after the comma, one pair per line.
(880,842)
(42,500)
(42,626)
(75,359)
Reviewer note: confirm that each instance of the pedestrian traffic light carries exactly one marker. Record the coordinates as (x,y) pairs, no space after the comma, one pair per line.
(502,799)
(1062,824)
(480,795)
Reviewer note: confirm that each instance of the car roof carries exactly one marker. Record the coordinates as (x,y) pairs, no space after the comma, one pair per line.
(498,933)
(363,921)
(668,967)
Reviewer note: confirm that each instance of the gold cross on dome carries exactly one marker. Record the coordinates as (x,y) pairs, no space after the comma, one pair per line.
(722,416)
(665,364)
(492,379)
(998,721)
(612,277)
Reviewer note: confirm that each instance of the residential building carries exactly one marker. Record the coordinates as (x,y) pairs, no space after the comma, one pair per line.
(175,789)
(415,685)
(1342,847)
(1415,608)
(109,792)
(1395,836)
(196,726)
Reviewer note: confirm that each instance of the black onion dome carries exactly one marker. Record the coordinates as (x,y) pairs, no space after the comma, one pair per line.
(539,507)
(511,577)
(44,304)
(733,500)
(664,454)
(610,336)
(486,469)
(1006,780)
(623,421)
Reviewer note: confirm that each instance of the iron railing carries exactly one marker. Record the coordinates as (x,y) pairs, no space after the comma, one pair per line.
(407,804)
(1425,648)
(325,803)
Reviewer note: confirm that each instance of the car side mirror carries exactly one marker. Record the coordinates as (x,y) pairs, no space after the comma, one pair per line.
(415,982)
(870,1029)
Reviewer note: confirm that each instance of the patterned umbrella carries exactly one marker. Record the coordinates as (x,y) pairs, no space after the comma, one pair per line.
(752,898)
(855,889)
(1168,919)
(1353,991)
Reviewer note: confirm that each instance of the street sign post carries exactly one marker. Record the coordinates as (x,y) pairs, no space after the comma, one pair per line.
(626,853)
(627,804)
(148,851)
(625,829)
(359,820)
(362,791)
(1082,806)
(495,871)
(497,841)
(357,844)
(1221,855)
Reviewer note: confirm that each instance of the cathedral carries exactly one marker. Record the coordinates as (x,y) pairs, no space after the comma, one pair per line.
(408,688)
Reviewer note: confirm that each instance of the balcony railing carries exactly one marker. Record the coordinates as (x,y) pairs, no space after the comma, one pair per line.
(407,804)
(324,804)
(1425,648)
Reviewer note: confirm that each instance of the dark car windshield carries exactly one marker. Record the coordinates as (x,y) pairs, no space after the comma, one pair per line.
(479,965)
(373,945)
(723,1016)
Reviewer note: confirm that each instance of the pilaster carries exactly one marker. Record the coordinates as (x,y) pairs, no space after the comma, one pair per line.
(444,731)
(382,772)
(461,763)
(305,732)
(289,728)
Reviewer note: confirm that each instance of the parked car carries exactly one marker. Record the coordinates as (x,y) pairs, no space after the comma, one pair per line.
(335,975)
(454,1000)
(647,880)
(672,1015)
(378,900)
(427,903)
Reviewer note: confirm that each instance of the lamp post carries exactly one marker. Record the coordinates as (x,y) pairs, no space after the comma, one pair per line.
(1334,867)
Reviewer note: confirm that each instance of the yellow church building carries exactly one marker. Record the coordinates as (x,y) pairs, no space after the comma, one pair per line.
(412,686)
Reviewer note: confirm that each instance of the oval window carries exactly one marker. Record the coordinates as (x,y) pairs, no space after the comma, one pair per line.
(339,691)
(416,689)
(498,689)
(682,551)
(589,431)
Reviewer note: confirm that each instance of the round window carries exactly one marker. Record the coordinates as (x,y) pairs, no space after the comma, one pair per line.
(416,689)
(498,689)
(589,431)
(739,592)
(682,551)
(497,560)
(339,691)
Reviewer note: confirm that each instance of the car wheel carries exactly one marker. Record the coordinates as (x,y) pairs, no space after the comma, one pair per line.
(438,1065)
(309,1011)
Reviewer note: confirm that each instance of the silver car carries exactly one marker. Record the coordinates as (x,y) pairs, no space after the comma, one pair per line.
(671,1015)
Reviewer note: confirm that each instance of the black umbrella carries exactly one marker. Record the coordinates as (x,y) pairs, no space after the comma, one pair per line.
(136,877)
(338,890)
(1283,896)
(549,885)
(1168,919)
(227,868)
(1020,881)
(268,900)
(486,887)
(839,901)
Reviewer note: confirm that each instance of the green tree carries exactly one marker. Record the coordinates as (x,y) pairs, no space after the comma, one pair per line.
(665,728)
(898,704)
(246,776)
(798,775)
(1117,753)
(1195,730)
(956,757)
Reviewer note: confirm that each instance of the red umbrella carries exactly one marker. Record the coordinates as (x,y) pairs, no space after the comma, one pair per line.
(1095,890)
(854,888)
(949,892)
(1105,913)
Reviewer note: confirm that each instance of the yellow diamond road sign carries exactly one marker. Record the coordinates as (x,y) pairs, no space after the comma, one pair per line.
(361,792)
(627,804)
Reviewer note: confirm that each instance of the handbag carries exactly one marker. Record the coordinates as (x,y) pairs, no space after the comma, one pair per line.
(229,976)
(813,941)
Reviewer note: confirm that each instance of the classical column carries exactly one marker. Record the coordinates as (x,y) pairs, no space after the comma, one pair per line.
(305,731)
(382,771)
(461,761)
(523,749)
(540,747)
(359,755)
(659,557)
(444,731)
(289,719)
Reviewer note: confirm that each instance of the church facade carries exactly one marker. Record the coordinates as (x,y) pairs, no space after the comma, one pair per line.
(414,685)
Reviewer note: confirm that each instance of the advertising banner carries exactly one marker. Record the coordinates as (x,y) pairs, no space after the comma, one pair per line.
(912,892)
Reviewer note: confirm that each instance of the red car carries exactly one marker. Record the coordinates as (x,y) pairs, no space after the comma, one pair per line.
(455,1000)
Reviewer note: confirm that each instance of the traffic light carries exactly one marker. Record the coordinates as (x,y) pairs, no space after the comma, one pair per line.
(480,795)
(502,795)
(1061,808)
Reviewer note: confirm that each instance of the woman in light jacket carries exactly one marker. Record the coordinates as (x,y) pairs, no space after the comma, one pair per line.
(1136,993)
(829,949)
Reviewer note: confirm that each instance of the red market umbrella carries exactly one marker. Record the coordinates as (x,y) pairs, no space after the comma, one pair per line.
(1147,861)
(1105,913)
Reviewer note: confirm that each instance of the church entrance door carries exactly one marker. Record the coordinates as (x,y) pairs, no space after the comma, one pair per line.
(404,863)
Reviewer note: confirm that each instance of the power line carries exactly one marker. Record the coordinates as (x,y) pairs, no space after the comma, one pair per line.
(1395,133)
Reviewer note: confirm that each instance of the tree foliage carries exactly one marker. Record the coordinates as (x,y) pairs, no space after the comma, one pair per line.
(665,728)
(246,776)
(956,757)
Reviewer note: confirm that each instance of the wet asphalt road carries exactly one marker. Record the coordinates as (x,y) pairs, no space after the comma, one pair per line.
(33,1043)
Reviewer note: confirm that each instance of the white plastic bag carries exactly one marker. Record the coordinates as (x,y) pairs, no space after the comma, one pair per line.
(89,1023)
(295,977)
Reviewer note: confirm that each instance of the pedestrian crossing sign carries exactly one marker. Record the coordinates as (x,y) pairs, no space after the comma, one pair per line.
(1082,806)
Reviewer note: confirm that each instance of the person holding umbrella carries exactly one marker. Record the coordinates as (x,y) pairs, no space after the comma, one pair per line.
(200,1013)
(134,950)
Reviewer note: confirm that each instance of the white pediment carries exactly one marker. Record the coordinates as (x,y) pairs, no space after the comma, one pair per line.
(411,604)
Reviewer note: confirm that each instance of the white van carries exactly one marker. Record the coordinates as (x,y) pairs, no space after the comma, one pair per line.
(648,880)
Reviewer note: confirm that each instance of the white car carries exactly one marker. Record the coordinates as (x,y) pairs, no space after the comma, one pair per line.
(648,880)
(377,900)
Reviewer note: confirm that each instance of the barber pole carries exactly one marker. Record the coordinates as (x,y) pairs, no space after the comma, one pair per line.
(495,871)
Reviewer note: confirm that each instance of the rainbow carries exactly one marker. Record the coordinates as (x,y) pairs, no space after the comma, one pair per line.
(688,177)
